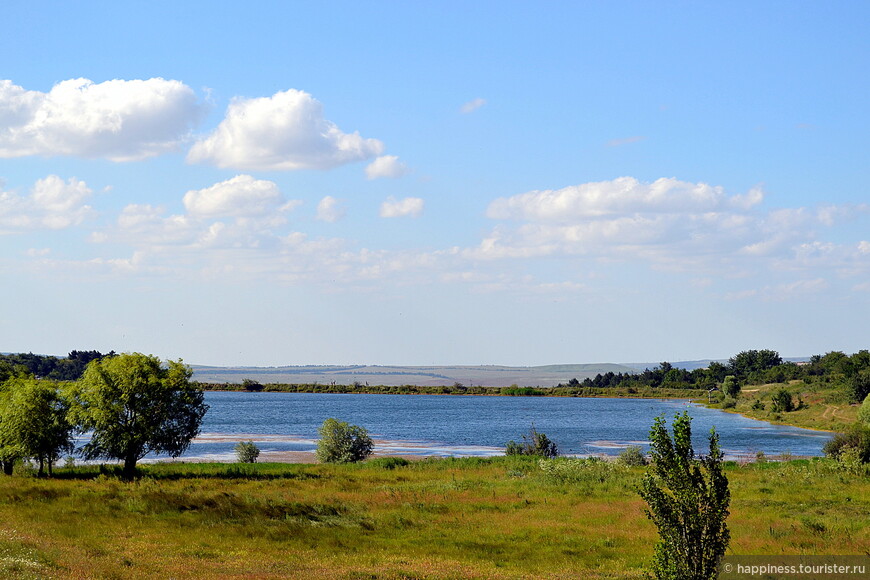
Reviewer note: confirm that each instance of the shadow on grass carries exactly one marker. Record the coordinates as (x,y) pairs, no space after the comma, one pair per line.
(180,471)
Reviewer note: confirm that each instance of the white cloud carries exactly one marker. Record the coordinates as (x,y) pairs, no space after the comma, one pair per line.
(330,209)
(286,131)
(386,166)
(407,207)
(621,195)
(667,225)
(118,120)
(241,196)
(52,204)
(472,105)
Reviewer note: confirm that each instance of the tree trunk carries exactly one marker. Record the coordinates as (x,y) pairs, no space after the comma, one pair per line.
(129,472)
(41,471)
(7,467)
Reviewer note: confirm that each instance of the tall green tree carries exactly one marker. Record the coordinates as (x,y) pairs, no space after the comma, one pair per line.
(750,361)
(34,422)
(135,405)
(688,501)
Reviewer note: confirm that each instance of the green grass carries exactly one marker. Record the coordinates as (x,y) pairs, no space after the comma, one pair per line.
(502,517)
(825,406)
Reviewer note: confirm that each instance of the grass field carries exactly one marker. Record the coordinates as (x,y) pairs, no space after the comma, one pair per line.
(824,407)
(502,517)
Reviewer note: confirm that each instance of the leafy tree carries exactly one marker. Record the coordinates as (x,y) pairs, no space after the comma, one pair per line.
(750,361)
(731,386)
(33,422)
(859,386)
(247,452)
(534,443)
(341,442)
(688,502)
(135,405)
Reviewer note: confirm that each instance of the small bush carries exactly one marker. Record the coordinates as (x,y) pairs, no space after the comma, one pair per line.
(341,442)
(855,441)
(729,402)
(247,452)
(782,401)
(758,405)
(632,456)
(534,443)
(864,411)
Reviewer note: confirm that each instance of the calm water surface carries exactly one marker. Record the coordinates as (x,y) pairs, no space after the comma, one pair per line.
(475,425)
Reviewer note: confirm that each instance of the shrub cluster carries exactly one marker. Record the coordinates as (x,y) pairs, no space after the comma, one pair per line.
(534,443)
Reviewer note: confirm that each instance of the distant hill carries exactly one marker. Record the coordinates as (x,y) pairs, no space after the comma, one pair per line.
(487,375)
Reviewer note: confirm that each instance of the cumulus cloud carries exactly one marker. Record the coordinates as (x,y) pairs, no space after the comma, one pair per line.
(386,166)
(407,207)
(620,196)
(52,204)
(472,105)
(330,209)
(120,120)
(286,131)
(240,196)
(667,224)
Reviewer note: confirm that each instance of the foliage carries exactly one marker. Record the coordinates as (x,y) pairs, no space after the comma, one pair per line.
(782,401)
(246,452)
(341,442)
(534,443)
(632,456)
(515,391)
(753,361)
(33,422)
(859,386)
(864,411)
(731,386)
(688,503)
(135,405)
(69,368)
(856,438)
(251,385)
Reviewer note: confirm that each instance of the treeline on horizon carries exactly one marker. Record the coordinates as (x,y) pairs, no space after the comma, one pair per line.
(847,373)
(68,368)
(850,374)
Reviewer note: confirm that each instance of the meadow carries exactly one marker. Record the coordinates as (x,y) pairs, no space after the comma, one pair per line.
(501,517)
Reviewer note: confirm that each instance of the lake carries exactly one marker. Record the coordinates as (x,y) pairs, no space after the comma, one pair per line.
(433,425)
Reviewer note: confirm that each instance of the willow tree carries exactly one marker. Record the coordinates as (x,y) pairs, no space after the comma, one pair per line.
(34,422)
(133,405)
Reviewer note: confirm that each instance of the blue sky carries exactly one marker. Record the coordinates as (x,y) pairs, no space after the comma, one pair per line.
(417,183)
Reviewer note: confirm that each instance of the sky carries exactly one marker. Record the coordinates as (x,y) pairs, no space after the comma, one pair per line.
(434,183)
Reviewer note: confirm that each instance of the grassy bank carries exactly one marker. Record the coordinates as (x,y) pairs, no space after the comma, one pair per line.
(501,517)
(818,406)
